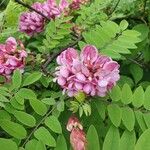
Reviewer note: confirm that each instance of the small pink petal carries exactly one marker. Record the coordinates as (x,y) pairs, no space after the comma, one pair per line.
(63,4)
(61,81)
(89,54)
(78,86)
(87,88)
(64,72)
(102,83)
(110,66)
(80,76)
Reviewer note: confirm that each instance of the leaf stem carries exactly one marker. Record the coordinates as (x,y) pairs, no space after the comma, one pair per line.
(135,62)
(36,127)
(113,10)
(50,58)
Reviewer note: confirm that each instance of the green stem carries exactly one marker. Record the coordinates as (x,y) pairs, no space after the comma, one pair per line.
(36,127)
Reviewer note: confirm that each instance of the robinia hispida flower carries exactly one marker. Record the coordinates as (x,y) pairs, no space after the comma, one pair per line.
(32,22)
(12,57)
(91,73)
(77,135)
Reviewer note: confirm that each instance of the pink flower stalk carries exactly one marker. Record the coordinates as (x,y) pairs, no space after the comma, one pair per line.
(73,122)
(32,23)
(76,4)
(53,10)
(91,73)
(11,58)
(77,136)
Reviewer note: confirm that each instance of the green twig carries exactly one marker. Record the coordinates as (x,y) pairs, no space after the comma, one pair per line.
(36,127)
(31,8)
(50,58)
(113,10)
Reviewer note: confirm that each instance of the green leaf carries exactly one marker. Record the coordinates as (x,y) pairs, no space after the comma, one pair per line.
(92,134)
(101,108)
(26,93)
(2,105)
(25,118)
(87,109)
(3,99)
(143,142)
(123,25)
(7,144)
(138,97)
(136,72)
(15,104)
(14,129)
(146,117)
(128,140)
(38,106)
(19,99)
(4,115)
(31,145)
(80,97)
(128,118)
(60,106)
(61,143)
(115,114)
(147,98)
(115,93)
(112,139)
(143,29)
(48,101)
(40,146)
(42,134)
(140,120)
(126,94)
(32,78)
(125,80)
(16,79)
(5,92)
(53,123)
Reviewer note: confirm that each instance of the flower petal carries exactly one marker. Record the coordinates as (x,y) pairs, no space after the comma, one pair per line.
(89,54)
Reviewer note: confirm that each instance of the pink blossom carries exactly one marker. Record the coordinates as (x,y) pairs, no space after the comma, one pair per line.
(73,122)
(91,73)
(78,139)
(11,58)
(53,10)
(67,57)
(77,135)
(76,4)
(31,23)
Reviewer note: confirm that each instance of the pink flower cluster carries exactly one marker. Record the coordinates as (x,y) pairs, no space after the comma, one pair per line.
(32,22)
(76,4)
(91,72)
(77,136)
(11,58)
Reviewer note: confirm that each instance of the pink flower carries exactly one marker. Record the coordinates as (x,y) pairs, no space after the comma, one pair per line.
(77,135)
(11,58)
(91,72)
(73,122)
(78,139)
(31,23)
(67,57)
(53,10)
(76,4)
